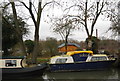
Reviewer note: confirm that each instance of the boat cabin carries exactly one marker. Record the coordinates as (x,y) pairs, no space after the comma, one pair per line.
(97,57)
(12,62)
(80,55)
(61,59)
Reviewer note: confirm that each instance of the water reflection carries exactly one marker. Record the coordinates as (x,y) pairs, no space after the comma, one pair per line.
(75,76)
(103,74)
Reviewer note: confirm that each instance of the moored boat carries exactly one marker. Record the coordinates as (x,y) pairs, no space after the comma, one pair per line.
(14,67)
(80,61)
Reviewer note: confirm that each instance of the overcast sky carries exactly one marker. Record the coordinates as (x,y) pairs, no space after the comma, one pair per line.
(45,31)
(80,35)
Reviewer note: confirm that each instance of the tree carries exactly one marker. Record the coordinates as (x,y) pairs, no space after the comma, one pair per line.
(116,23)
(29,46)
(115,26)
(116,29)
(63,26)
(36,20)
(89,12)
(94,44)
(51,46)
(17,29)
(36,23)
(9,37)
(35,15)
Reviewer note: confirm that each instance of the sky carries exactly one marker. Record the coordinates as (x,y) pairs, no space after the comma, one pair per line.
(46,31)
(80,35)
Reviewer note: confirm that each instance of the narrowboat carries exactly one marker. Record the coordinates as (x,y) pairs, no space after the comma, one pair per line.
(80,61)
(14,67)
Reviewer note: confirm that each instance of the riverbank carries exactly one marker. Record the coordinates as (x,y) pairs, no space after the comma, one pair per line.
(42,60)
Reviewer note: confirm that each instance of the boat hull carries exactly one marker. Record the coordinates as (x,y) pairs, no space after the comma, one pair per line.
(81,66)
(19,73)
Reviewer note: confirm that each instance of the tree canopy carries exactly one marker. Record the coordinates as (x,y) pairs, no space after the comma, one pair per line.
(9,36)
(115,27)
(51,46)
(29,45)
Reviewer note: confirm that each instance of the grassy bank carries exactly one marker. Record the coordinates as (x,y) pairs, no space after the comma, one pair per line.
(42,60)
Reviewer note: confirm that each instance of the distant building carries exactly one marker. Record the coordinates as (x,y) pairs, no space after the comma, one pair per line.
(70,47)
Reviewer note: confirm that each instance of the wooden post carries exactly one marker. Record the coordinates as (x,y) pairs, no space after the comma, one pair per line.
(96,33)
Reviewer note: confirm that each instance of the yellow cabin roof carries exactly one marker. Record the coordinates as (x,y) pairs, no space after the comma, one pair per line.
(76,52)
(60,56)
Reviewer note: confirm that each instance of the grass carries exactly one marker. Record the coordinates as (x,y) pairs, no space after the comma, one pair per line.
(39,61)
(42,60)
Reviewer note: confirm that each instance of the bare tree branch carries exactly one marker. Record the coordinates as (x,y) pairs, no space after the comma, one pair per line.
(24,5)
(50,3)
(31,13)
(34,8)
(86,16)
(97,15)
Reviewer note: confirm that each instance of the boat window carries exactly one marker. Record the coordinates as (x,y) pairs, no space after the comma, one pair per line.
(98,58)
(84,54)
(9,63)
(63,60)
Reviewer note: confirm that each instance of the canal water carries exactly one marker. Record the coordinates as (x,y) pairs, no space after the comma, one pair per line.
(101,75)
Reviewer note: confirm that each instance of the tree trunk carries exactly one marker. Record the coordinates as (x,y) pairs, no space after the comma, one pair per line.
(89,43)
(85,20)
(19,35)
(35,53)
(36,47)
(36,24)
(66,44)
